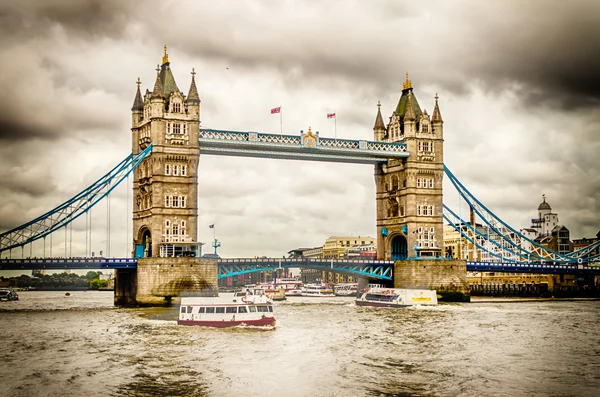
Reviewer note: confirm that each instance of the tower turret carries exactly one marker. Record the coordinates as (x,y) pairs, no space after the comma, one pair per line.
(379,127)
(138,106)
(436,118)
(193,99)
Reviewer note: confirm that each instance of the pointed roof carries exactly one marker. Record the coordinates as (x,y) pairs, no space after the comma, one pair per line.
(193,96)
(436,111)
(158,87)
(405,98)
(410,112)
(165,82)
(138,104)
(379,125)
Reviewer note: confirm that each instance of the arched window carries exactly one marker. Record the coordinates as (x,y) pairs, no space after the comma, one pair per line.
(394,182)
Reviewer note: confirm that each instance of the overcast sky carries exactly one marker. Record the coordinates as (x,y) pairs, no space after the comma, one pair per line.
(518,85)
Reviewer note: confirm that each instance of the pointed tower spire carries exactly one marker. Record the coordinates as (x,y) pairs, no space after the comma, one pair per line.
(436,117)
(410,112)
(193,96)
(379,127)
(138,104)
(378,119)
(158,87)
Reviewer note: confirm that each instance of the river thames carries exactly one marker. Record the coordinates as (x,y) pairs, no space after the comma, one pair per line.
(54,345)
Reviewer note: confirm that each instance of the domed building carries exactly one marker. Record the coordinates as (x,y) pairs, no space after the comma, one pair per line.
(546,220)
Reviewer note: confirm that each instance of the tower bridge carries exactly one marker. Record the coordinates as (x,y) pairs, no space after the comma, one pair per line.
(407,156)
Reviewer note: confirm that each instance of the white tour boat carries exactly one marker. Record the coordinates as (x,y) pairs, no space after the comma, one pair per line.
(396,297)
(249,307)
(316,290)
(346,289)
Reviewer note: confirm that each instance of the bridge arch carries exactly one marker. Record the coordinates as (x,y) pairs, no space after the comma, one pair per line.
(143,243)
(398,247)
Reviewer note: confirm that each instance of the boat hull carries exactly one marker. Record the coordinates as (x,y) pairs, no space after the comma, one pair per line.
(380,304)
(261,322)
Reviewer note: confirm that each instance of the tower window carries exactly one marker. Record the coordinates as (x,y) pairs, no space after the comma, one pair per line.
(431,183)
(183,170)
(167,169)
(175,170)
(176,128)
(418,182)
(176,107)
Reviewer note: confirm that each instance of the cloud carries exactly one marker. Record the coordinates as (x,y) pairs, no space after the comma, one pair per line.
(517,84)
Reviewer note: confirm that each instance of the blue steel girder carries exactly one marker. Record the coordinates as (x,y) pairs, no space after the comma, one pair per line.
(382,270)
(535,268)
(68,263)
(298,147)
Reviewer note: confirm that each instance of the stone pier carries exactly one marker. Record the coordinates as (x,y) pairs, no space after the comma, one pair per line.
(158,280)
(447,277)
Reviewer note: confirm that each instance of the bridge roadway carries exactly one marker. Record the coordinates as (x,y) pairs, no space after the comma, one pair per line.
(374,269)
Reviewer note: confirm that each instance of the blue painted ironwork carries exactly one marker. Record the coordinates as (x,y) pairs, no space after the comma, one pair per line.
(255,144)
(381,270)
(520,247)
(67,263)
(73,208)
(373,269)
(529,267)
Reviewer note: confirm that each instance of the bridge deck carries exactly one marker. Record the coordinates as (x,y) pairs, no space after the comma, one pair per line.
(382,270)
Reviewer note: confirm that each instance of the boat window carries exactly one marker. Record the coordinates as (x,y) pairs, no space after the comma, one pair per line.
(380,298)
(219,310)
(189,309)
(270,308)
(242,309)
(230,309)
(201,309)
(210,309)
(252,309)
(183,309)
(263,309)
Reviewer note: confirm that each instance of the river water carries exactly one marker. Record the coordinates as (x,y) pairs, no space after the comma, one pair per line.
(54,345)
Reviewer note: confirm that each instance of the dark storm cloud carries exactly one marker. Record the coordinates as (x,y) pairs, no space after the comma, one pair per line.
(547,51)
(551,48)
(95,18)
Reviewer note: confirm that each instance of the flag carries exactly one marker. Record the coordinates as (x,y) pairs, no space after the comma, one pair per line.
(276,110)
(212,226)
(330,115)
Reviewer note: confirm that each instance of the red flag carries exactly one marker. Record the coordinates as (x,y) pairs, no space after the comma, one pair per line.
(330,115)
(276,110)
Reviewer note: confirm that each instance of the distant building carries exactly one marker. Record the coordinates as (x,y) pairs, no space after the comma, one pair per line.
(335,246)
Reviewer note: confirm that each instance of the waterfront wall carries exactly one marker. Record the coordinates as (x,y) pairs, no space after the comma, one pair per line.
(157,280)
(447,277)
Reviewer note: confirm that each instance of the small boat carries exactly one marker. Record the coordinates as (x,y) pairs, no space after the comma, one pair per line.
(317,290)
(346,289)
(249,308)
(8,294)
(396,297)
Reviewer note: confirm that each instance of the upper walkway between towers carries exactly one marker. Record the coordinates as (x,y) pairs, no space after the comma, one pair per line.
(305,146)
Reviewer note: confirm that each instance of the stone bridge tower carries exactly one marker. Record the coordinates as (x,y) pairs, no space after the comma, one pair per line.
(409,191)
(165,187)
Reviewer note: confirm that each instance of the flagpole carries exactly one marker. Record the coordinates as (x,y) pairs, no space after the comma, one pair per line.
(335,124)
(280,122)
